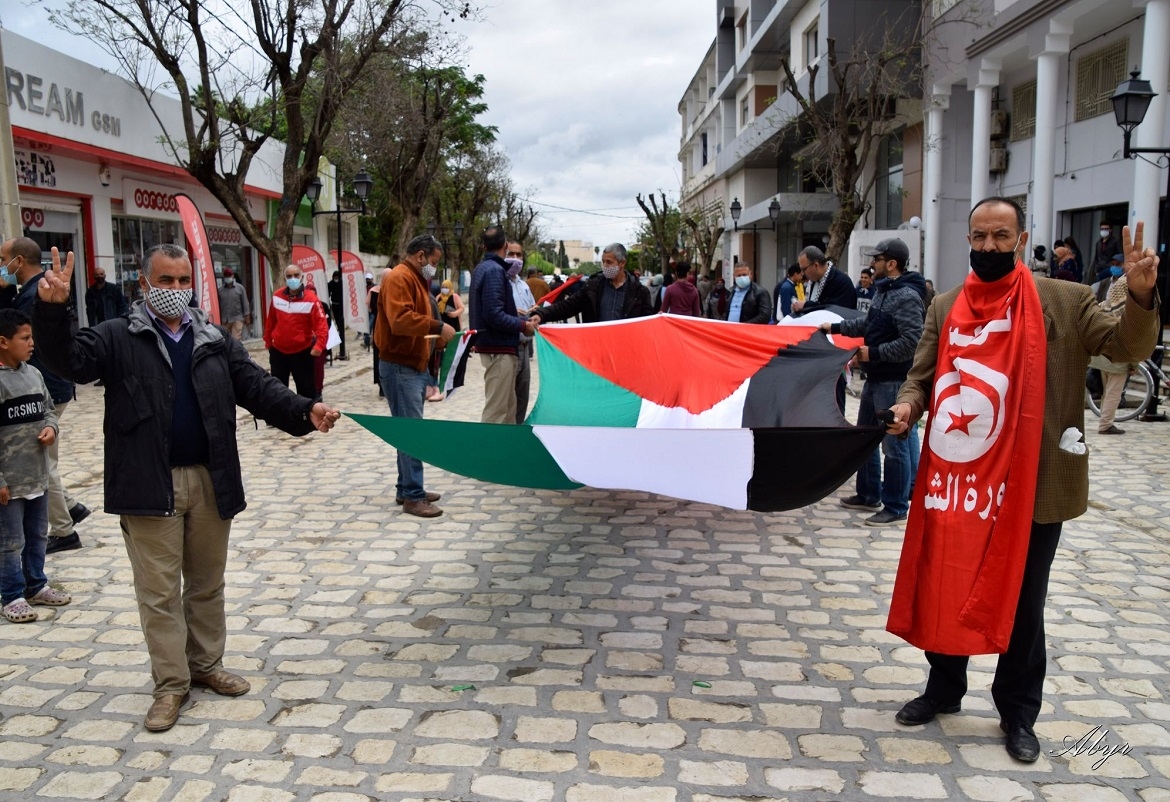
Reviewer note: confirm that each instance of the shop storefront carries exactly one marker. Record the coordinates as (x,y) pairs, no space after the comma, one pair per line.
(95,178)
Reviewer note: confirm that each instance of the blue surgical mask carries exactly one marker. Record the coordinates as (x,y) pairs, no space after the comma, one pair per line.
(7,277)
(1116,271)
(743,282)
(293,284)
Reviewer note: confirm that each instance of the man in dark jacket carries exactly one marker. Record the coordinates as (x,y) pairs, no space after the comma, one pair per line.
(611,294)
(172,470)
(23,259)
(492,313)
(749,303)
(103,301)
(826,285)
(891,330)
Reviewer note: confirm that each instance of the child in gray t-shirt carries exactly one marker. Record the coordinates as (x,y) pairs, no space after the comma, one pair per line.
(28,425)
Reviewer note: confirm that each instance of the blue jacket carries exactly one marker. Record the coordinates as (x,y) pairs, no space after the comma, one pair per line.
(492,308)
(892,328)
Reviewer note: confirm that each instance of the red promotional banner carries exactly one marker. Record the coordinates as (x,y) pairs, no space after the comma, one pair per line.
(206,292)
(312,264)
(353,291)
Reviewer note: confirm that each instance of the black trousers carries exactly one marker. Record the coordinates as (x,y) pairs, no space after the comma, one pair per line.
(1019,676)
(300,365)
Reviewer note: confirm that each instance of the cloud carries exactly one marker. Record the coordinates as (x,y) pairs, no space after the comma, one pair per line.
(585,96)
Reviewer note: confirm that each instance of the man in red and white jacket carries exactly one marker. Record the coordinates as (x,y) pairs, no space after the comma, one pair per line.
(295,332)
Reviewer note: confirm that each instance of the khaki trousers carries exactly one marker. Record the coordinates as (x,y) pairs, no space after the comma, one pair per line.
(499,387)
(179,563)
(60,502)
(1111,397)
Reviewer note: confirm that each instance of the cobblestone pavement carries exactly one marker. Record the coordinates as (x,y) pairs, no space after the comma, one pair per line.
(609,646)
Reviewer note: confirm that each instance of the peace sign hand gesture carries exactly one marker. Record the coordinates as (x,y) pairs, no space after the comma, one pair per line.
(54,287)
(1141,266)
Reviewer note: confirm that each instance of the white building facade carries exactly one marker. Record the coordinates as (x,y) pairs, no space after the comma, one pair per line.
(740,136)
(95,178)
(1018,105)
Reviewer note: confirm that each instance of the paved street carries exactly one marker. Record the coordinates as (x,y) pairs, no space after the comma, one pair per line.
(535,646)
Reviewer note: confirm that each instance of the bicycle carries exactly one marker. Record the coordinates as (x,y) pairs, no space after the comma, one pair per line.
(1141,387)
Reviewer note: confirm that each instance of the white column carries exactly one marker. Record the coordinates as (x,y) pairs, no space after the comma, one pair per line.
(940,101)
(1148,180)
(985,79)
(1048,64)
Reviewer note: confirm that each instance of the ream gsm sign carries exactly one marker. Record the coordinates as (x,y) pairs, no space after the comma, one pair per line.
(27,92)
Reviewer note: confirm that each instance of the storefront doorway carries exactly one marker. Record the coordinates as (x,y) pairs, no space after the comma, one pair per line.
(58,225)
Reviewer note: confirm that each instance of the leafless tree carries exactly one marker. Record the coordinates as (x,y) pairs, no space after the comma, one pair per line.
(706,225)
(870,79)
(245,73)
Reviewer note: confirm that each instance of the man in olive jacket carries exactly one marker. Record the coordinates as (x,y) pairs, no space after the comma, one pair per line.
(1077,329)
(172,469)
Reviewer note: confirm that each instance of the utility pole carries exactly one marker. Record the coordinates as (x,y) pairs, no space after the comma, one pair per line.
(9,194)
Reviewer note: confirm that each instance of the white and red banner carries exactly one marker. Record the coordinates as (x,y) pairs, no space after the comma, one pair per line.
(206,292)
(312,264)
(970,519)
(353,291)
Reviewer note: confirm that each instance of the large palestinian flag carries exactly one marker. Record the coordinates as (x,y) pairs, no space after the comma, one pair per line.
(732,414)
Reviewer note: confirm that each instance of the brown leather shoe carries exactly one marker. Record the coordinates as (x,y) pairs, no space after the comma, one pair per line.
(431,498)
(423,509)
(224,683)
(164,712)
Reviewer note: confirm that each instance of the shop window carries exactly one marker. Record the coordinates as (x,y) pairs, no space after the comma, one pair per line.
(1098,74)
(133,237)
(1024,111)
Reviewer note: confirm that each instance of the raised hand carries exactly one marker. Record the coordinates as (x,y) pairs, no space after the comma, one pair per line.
(1141,265)
(54,287)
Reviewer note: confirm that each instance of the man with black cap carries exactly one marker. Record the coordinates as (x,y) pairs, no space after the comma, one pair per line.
(891,331)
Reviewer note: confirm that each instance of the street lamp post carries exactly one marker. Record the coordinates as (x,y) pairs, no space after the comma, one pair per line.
(1131,101)
(362,183)
(773,215)
(457,230)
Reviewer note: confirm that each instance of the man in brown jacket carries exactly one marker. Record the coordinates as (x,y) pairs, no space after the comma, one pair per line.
(1077,330)
(405,318)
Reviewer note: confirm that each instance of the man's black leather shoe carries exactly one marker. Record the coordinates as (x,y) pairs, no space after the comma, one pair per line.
(1021,743)
(68,542)
(922,710)
(79,512)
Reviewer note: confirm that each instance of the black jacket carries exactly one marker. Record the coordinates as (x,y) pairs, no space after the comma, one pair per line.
(104,303)
(61,389)
(128,355)
(838,291)
(757,305)
(586,302)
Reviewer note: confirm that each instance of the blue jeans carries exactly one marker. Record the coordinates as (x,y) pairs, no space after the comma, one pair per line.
(893,491)
(24,531)
(405,390)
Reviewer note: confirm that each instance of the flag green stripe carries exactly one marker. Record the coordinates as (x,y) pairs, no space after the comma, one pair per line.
(571,395)
(497,453)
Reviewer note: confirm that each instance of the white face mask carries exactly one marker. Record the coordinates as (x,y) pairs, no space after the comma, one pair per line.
(227,282)
(429,271)
(169,304)
(446,291)
(609,271)
(1105,232)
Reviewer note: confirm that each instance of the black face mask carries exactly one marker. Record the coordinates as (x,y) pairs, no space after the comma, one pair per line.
(992,265)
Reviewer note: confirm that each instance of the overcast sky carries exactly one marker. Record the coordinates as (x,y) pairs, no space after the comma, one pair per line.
(584,93)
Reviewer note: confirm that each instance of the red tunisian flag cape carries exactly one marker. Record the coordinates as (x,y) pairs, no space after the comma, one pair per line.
(971,516)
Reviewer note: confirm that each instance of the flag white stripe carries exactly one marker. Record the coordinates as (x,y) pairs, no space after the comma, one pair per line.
(712,466)
(727,414)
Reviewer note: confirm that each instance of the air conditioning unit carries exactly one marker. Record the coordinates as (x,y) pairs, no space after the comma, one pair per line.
(999,124)
(997,163)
